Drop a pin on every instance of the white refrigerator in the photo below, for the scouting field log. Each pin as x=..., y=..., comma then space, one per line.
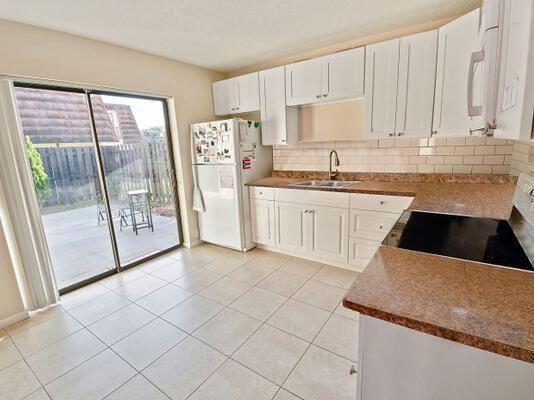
x=226, y=155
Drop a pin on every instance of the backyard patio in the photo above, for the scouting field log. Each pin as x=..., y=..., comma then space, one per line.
x=80, y=247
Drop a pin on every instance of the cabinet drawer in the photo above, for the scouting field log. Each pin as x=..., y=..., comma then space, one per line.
x=371, y=225
x=361, y=251
x=375, y=202
x=313, y=197
x=261, y=192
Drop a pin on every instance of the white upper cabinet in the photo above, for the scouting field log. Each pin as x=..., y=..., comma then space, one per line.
x=456, y=42
x=223, y=97
x=279, y=123
x=247, y=93
x=236, y=95
x=304, y=82
x=381, y=74
x=343, y=75
x=417, y=78
x=334, y=77
x=515, y=98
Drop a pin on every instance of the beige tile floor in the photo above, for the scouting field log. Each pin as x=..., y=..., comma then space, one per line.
x=203, y=323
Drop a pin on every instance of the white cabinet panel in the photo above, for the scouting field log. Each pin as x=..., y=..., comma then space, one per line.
x=317, y=197
x=343, y=75
x=236, y=95
x=456, y=42
x=417, y=77
x=262, y=218
x=291, y=227
x=223, y=97
x=515, y=99
x=382, y=203
x=279, y=123
x=371, y=225
x=247, y=93
x=303, y=82
x=328, y=233
x=338, y=76
x=381, y=74
x=361, y=251
x=261, y=192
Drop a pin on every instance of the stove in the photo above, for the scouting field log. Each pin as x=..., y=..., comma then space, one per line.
x=498, y=242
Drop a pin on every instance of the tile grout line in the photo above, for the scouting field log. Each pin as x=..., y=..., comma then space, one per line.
x=224, y=307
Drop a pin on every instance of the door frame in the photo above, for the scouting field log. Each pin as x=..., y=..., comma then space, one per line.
x=87, y=91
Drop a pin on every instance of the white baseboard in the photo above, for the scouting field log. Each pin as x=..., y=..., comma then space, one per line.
x=306, y=257
x=13, y=319
x=192, y=244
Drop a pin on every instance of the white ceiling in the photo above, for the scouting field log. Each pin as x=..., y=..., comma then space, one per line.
x=227, y=35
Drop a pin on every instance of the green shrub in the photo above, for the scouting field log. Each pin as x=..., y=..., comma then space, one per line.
x=39, y=175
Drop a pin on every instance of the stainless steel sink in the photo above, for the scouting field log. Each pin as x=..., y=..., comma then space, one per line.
x=325, y=184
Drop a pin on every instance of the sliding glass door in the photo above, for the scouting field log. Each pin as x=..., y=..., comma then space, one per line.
x=103, y=174
x=134, y=149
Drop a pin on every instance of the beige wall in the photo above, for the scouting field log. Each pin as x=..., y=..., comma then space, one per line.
x=341, y=46
x=37, y=52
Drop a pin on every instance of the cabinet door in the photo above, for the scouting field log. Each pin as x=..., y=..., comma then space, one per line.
x=291, y=227
x=417, y=78
x=343, y=74
x=361, y=251
x=278, y=122
x=262, y=216
x=329, y=233
x=247, y=93
x=456, y=42
x=223, y=97
x=303, y=82
x=382, y=67
x=515, y=98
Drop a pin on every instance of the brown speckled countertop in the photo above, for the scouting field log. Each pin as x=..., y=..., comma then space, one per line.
x=491, y=308
x=488, y=200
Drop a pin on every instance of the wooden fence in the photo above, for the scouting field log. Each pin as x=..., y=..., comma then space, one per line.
x=73, y=174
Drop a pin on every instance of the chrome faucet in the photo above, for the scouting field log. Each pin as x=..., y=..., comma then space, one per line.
x=332, y=174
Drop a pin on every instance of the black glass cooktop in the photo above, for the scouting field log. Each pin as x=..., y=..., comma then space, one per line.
x=478, y=239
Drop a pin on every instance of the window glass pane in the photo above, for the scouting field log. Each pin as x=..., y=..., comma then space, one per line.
x=137, y=169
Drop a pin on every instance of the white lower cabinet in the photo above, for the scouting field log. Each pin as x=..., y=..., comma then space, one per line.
x=371, y=225
x=361, y=251
x=332, y=227
x=292, y=227
x=262, y=220
x=328, y=233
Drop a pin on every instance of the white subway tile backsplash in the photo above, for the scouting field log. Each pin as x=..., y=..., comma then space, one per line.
x=483, y=150
x=477, y=155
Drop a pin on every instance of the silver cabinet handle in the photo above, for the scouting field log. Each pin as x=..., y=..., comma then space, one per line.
x=325, y=95
x=353, y=370
x=382, y=202
x=391, y=134
x=380, y=227
x=318, y=96
x=400, y=134
x=433, y=133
